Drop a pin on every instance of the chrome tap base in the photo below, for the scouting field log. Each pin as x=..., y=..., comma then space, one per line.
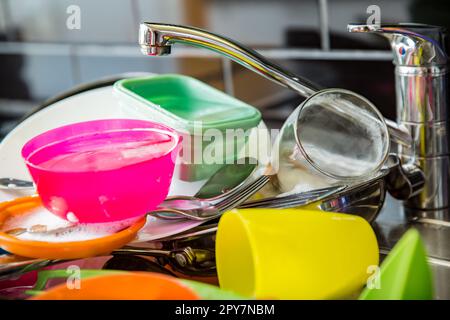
x=421, y=78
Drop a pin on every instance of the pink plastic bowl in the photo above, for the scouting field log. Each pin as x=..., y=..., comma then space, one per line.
x=103, y=170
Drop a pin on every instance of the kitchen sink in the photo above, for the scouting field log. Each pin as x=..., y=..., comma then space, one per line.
x=392, y=223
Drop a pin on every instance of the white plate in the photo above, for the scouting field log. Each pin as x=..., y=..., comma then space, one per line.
x=97, y=104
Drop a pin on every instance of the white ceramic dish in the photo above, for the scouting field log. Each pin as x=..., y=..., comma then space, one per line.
x=96, y=104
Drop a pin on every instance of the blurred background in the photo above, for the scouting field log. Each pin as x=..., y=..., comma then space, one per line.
x=41, y=57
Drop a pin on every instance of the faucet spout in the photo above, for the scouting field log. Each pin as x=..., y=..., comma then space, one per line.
x=156, y=39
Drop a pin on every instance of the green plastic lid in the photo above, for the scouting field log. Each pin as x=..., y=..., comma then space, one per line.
x=180, y=101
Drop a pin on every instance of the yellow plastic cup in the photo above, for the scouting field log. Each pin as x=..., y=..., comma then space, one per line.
x=294, y=253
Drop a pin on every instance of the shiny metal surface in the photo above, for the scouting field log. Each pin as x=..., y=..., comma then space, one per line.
x=181, y=207
x=156, y=39
x=191, y=253
x=294, y=200
x=188, y=259
x=15, y=184
x=399, y=134
x=421, y=94
x=422, y=106
x=365, y=200
x=431, y=138
x=422, y=43
x=393, y=222
x=435, y=193
x=403, y=180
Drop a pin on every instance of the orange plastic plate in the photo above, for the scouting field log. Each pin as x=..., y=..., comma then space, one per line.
x=61, y=250
x=123, y=286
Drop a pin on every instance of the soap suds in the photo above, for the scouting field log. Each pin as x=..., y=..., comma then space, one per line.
x=64, y=231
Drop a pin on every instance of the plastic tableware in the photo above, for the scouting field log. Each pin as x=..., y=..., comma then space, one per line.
x=226, y=178
x=103, y=170
x=123, y=286
x=294, y=253
x=44, y=276
x=192, y=107
x=404, y=274
x=59, y=250
x=203, y=290
x=95, y=104
x=23, y=282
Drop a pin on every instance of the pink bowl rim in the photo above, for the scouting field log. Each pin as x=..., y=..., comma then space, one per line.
x=158, y=128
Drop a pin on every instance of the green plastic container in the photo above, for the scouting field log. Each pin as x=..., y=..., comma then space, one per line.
x=184, y=103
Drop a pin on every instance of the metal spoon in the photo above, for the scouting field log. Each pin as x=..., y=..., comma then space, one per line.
x=15, y=184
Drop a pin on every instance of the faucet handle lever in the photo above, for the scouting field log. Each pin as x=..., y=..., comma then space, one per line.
x=403, y=180
x=412, y=44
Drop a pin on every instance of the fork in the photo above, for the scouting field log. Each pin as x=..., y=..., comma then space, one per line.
x=208, y=209
x=295, y=199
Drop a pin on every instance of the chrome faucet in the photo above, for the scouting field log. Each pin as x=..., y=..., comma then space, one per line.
x=421, y=78
x=156, y=39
